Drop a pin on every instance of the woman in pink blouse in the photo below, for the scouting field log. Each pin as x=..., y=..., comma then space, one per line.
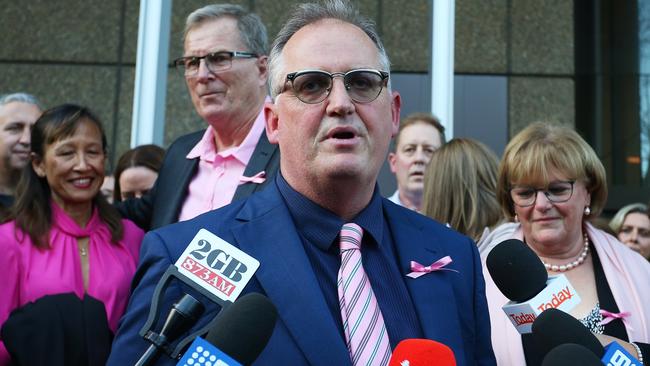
x=62, y=236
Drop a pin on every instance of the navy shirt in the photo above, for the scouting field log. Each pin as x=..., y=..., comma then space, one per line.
x=319, y=230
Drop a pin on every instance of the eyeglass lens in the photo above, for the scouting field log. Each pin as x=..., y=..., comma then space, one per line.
x=556, y=192
x=214, y=62
x=314, y=86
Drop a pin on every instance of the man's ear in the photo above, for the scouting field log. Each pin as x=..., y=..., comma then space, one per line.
x=263, y=67
x=392, y=162
x=395, y=108
x=272, y=122
x=38, y=165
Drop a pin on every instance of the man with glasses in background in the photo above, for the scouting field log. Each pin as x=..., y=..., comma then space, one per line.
x=225, y=68
x=335, y=258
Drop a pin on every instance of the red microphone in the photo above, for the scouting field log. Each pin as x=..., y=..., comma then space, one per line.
x=422, y=352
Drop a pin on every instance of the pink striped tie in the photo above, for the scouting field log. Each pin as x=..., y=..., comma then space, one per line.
x=363, y=324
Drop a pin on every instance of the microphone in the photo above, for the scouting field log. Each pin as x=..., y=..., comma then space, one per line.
x=181, y=318
x=520, y=275
x=615, y=354
x=245, y=328
x=209, y=266
x=571, y=354
x=555, y=327
x=239, y=335
x=422, y=352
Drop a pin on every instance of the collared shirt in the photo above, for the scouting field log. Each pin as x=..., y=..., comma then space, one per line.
x=319, y=230
x=219, y=173
x=395, y=198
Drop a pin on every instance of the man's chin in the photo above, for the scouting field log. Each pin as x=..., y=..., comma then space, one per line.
x=18, y=164
x=345, y=169
x=417, y=186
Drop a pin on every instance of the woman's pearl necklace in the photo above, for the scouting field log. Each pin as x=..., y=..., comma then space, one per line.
x=571, y=265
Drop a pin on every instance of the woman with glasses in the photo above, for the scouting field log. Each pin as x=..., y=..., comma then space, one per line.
x=551, y=183
x=632, y=227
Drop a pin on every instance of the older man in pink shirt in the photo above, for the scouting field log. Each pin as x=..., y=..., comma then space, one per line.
x=220, y=173
x=225, y=68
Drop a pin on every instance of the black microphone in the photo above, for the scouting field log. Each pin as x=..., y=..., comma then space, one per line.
x=516, y=270
x=240, y=333
x=209, y=266
x=183, y=315
x=554, y=327
x=244, y=328
x=521, y=276
x=571, y=354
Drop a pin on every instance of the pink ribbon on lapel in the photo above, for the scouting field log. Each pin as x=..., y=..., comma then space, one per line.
x=258, y=178
x=420, y=270
x=609, y=316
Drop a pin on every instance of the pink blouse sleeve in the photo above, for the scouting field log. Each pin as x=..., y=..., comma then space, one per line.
x=11, y=267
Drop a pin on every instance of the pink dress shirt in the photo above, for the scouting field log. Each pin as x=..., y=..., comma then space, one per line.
x=29, y=273
x=219, y=173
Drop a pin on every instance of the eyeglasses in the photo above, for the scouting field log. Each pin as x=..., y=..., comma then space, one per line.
x=314, y=86
x=215, y=61
x=556, y=192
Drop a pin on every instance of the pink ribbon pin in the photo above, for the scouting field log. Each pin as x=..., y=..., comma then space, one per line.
x=609, y=316
x=420, y=270
x=258, y=178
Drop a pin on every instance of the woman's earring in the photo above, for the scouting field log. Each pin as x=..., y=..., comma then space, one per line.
x=516, y=218
x=587, y=211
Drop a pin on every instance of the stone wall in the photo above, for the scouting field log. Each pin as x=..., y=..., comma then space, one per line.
x=84, y=51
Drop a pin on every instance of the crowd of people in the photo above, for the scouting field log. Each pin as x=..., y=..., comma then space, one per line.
x=286, y=171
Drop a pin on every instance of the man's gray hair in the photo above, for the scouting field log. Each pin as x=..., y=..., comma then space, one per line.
x=19, y=97
x=251, y=29
x=311, y=13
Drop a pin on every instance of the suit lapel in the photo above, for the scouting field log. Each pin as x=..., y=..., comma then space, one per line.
x=263, y=158
x=432, y=294
x=285, y=273
x=178, y=191
x=171, y=193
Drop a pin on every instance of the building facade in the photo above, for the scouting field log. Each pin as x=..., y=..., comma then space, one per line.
x=583, y=63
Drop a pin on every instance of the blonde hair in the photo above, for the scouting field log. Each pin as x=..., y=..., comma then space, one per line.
x=542, y=148
x=460, y=187
x=619, y=218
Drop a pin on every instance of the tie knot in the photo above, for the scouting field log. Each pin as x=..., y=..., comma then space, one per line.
x=351, y=236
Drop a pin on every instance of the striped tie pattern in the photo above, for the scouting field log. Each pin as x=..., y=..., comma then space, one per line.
x=363, y=324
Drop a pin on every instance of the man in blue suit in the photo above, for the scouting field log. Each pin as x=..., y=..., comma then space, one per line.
x=333, y=116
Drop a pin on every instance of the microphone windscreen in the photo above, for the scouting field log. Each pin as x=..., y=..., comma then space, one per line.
x=554, y=327
x=244, y=328
x=516, y=270
x=571, y=354
x=422, y=352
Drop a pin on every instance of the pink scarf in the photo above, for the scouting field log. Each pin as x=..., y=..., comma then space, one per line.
x=627, y=274
x=94, y=230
